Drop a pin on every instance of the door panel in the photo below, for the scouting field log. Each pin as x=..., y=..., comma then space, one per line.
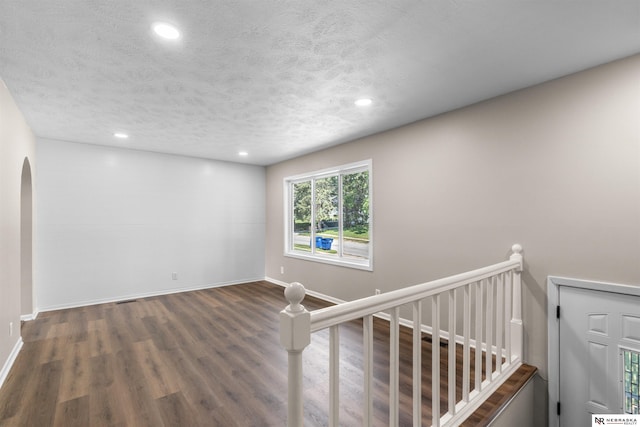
x=631, y=328
x=598, y=356
x=593, y=327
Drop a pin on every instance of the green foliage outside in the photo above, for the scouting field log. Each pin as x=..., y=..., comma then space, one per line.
x=302, y=202
x=355, y=206
x=326, y=200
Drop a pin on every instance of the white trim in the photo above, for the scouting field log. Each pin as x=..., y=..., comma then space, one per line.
x=354, y=166
x=342, y=262
x=308, y=292
x=147, y=294
x=29, y=317
x=4, y=373
x=616, y=288
x=553, y=350
x=553, y=328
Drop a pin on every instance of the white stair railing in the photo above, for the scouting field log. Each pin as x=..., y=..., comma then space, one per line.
x=497, y=331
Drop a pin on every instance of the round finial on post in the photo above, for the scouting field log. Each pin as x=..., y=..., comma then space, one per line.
x=294, y=293
x=517, y=256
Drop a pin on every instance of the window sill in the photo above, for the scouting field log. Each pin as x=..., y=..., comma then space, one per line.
x=359, y=265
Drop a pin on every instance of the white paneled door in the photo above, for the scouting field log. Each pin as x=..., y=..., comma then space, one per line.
x=596, y=328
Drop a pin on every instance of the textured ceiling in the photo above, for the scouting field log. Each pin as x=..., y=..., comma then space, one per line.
x=279, y=78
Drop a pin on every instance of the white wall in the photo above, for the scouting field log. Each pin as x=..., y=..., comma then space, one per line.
x=16, y=143
x=116, y=223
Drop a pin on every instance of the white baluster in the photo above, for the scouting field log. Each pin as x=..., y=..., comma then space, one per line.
x=452, y=353
x=435, y=360
x=507, y=315
x=417, y=363
x=478, y=336
x=499, y=321
x=367, y=338
x=394, y=367
x=334, y=376
x=489, y=330
x=466, y=350
x=295, y=335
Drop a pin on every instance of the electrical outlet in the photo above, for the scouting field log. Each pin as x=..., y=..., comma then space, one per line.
x=10, y=329
x=377, y=291
x=281, y=269
x=174, y=276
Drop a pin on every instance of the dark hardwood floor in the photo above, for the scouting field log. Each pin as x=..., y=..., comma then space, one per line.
x=202, y=358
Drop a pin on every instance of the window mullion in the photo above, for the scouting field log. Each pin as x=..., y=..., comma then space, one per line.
x=292, y=233
x=312, y=226
x=292, y=217
x=340, y=218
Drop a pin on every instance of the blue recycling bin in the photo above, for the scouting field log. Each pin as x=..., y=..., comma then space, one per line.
x=319, y=242
x=326, y=243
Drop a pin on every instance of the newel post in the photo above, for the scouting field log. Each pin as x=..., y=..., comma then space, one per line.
x=517, y=330
x=295, y=335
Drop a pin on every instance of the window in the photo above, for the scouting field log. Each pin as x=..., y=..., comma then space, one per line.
x=328, y=216
x=630, y=372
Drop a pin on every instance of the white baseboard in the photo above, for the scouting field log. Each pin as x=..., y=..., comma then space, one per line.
x=29, y=317
x=145, y=295
x=319, y=295
x=9, y=363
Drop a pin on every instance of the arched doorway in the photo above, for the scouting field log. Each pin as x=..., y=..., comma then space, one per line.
x=26, y=241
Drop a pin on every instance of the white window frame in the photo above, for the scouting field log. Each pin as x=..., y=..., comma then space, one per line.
x=289, y=233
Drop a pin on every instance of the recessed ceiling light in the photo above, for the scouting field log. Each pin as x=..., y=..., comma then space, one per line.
x=363, y=102
x=166, y=31
x=121, y=135
x=243, y=153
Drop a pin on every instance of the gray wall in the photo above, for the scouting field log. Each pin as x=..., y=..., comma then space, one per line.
x=16, y=143
x=116, y=223
x=555, y=168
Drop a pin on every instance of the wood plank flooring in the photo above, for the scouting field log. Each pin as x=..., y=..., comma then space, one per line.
x=202, y=358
